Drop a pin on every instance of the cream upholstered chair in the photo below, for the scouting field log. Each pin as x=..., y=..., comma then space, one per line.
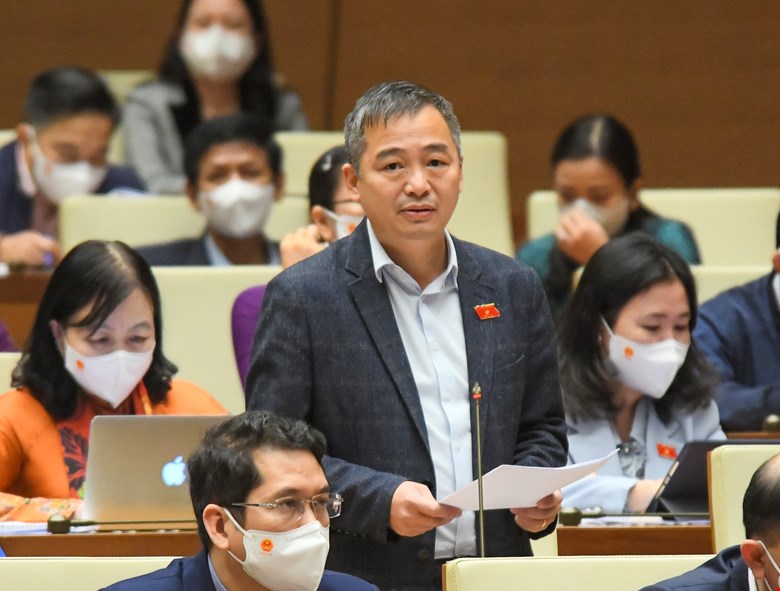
x=196, y=306
x=546, y=546
x=120, y=83
x=74, y=573
x=732, y=226
x=482, y=215
x=7, y=136
x=713, y=279
x=137, y=220
x=7, y=363
x=584, y=573
x=730, y=469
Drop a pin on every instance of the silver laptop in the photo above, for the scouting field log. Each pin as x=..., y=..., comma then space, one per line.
x=136, y=468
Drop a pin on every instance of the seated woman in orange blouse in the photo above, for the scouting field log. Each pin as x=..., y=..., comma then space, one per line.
x=95, y=348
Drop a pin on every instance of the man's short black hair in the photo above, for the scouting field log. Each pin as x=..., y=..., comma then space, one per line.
x=761, y=505
x=65, y=92
x=222, y=470
x=240, y=128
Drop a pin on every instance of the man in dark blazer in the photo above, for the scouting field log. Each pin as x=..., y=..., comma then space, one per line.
x=263, y=508
x=753, y=565
x=234, y=174
x=378, y=340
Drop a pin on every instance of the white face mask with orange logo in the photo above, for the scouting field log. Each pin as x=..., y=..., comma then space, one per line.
x=345, y=224
x=285, y=561
x=649, y=369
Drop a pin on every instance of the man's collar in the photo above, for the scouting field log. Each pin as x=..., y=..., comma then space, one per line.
x=381, y=259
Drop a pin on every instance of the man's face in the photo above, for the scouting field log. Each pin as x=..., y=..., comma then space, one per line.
x=285, y=474
x=240, y=160
x=78, y=138
x=410, y=178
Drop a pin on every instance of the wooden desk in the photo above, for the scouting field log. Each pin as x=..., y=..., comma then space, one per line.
x=636, y=539
x=20, y=294
x=147, y=543
x=572, y=541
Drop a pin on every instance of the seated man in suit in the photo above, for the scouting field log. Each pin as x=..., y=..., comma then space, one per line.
x=752, y=565
x=379, y=339
x=334, y=211
x=739, y=331
x=263, y=508
x=234, y=174
x=61, y=150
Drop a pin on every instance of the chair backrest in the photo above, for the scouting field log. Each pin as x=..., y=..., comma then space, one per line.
x=7, y=363
x=196, y=305
x=730, y=469
x=585, y=573
x=483, y=213
x=732, y=226
x=713, y=279
x=143, y=220
x=74, y=573
x=137, y=220
x=7, y=136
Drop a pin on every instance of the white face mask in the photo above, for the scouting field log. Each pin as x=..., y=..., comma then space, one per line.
x=217, y=54
x=613, y=219
x=345, y=224
x=649, y=369
x=238, y=208
x=110, y=377
x=57, y=181
x=285, y=561
x=777, y=569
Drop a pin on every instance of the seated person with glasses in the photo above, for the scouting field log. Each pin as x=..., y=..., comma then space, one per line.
x=263, y=508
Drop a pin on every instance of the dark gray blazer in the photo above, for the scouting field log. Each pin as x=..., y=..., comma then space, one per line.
x=328, y=350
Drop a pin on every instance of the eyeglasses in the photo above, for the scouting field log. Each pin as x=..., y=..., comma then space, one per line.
x=324, y=507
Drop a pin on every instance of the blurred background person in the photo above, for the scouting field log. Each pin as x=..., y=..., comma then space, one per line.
x=632, y=377
x=218, y=62
x=596, y=174
x=95, y=348
x=61, y=150
x=234, y=175
x=739, y=331
x=335, y=213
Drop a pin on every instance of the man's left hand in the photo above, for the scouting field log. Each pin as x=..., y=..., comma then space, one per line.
x=536, y=519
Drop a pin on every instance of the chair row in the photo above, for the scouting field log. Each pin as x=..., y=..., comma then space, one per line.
x=733, y=226
x=196, y=307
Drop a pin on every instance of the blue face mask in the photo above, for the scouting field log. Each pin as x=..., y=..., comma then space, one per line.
x=774, y=564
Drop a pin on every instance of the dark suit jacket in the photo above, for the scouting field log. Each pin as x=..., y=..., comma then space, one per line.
x=190, y=251
x=192, y=574
x=16, y=207
x=725, y=572
x=328, y=350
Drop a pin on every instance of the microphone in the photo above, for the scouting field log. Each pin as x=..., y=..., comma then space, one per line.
x=476, y=394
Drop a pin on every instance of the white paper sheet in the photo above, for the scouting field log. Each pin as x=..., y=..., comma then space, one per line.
x=520, y=486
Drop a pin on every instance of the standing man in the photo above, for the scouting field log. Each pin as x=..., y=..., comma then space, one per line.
x=378, y=340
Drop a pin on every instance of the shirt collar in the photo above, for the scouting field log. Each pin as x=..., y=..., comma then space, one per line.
x=26, y=182
x=214, y=578
x=382, y=260
x=217, y=258
x=776, y=288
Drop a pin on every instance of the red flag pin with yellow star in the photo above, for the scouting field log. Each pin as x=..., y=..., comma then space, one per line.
x=487, y=311
x=667, y=451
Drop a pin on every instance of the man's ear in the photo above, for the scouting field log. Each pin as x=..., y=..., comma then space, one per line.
x=324, y=224
x=351, y=180
x=24, y=133
x=192, y=193
x=754, y=556
x=214, y=521
x=279, y=184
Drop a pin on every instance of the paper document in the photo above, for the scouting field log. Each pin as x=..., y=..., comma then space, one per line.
x=520, y=486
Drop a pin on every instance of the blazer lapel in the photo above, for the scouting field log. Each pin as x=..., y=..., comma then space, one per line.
x=375, y=309
x=479, y=334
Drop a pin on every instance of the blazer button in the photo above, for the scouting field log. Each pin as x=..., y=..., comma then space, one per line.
x=424, y=554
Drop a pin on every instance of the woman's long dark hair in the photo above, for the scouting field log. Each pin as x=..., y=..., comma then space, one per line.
x=257, y=91
x=101, y=275
x=621, y=269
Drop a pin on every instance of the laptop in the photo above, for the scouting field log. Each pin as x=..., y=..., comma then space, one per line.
x=685, y=487
x=136, y=469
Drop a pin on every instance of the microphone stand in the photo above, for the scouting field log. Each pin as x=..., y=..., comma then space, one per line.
x=476, y=394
